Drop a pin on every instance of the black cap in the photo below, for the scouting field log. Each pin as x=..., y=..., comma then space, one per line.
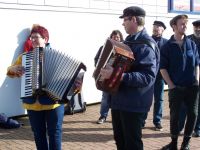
x=196, y=23
x=133, y=11
x=159, y=23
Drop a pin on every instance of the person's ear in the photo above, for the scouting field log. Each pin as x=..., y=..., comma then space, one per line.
x=133, y=18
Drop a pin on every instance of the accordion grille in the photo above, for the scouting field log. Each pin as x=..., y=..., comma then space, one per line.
x=51, y=72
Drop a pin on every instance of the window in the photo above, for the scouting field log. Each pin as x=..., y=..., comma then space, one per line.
x=196, y=4
x=186, y=6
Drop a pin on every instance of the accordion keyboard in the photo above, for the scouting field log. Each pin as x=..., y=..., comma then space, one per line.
x=26, y=84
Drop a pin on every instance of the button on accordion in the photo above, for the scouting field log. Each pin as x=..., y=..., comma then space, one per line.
x=117, y=55
x=51, y=73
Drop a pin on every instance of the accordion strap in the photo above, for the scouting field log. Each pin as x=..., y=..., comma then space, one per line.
x=149, y=43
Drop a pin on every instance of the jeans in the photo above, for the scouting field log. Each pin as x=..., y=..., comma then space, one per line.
x=127, y=129
x=182, y=118
x=47, y=121
x=177, y=96
x=105, y=104
x=158, y=102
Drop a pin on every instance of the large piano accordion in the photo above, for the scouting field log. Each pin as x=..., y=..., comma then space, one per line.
x=117, y=55
x=50, y=72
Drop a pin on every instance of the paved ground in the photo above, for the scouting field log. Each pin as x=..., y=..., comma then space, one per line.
x=80, y=132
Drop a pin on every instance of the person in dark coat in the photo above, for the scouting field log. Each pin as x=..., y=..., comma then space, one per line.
x=196, y=38
x=180, y=69
x=158, y=29
x=135, y=94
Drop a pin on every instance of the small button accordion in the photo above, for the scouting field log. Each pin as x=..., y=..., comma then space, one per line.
x=117, y=55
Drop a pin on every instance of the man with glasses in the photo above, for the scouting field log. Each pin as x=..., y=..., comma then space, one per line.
x=135, y=94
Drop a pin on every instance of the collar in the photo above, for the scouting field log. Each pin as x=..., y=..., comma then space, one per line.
x=136, y=35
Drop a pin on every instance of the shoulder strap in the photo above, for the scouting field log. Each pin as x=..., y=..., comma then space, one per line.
x=149, y=43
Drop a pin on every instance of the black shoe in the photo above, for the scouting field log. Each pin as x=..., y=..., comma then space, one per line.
x=101, y=120
x=185, y=147
x=170, y=146
x=158, y=127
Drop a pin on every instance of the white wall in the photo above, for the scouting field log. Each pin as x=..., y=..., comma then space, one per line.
x=78, y=34
x=78, y=27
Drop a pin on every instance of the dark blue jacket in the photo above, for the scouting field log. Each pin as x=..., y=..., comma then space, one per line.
x=180, y=62
x=160, y=42
x=197, y=41
x=135, y=93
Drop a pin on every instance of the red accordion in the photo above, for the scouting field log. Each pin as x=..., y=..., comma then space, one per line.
x=117, y=55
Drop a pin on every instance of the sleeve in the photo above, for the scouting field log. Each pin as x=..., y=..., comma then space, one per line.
x=145, y=70
x=164, y=57
x=197, y=60
x=17, y=62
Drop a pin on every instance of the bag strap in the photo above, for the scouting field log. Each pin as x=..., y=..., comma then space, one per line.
x=149, y=43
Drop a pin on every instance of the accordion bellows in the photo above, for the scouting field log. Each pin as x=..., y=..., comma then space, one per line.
x=50, y=72
x=117, y=55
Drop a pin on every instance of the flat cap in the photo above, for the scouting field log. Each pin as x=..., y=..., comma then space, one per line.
x=133, y=11
x=196, y=23
x=174, y=20
x=159, y=23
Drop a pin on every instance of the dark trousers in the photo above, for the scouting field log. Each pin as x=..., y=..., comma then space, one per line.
x=47, y=121
x=188, y=96
x=127, y=129
x=183, y=118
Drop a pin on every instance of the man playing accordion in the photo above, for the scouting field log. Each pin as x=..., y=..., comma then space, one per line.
x=135, y=93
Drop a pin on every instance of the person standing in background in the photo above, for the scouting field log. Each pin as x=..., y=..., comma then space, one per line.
x=158, y=29
x=196, y=38
x=180, y=69
x=105, y=101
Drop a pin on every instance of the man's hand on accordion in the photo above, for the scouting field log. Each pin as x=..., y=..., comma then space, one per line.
x=106, y=72
x=16, y=71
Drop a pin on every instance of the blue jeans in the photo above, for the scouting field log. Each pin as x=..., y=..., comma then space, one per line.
x=47, y=121
x=158, y=102
x=105, y=104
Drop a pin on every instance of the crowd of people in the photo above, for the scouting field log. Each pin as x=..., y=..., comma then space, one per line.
x=157, y=61
x=178, y=56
